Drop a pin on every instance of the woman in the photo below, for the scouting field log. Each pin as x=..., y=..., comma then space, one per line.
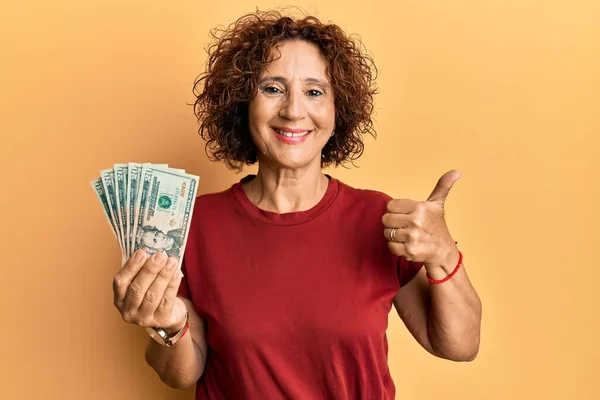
x=290, y=274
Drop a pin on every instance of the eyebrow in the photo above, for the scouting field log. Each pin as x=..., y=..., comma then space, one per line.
x=284, y=81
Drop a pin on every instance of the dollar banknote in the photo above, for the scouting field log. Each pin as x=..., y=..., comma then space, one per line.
x=133, y=180
x=108, y=181
x=121, y=171
x=98, y=187
x=148, y=206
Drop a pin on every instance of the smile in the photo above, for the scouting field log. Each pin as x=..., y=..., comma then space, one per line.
x=291, y=136
x=294, y=134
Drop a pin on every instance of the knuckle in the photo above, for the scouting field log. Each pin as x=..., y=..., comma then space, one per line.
x=414, y=235
x=128, y=316
x=421, y=206
x=152, y=296
x=416, y=222
x=118, y=281
x=135, y=290
x=145, y=321
x=164, y=302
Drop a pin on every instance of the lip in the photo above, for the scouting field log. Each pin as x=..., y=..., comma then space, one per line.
x=283, y=128
x=291, y=140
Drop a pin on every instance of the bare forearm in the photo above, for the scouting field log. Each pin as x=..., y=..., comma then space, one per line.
x=454, y=320
x=179, y=366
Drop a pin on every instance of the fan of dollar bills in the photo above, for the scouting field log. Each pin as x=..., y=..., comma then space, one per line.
x=148, y=206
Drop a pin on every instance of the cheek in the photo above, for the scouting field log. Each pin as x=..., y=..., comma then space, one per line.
x=258, y=116
x=324, y=116
x=261, y=110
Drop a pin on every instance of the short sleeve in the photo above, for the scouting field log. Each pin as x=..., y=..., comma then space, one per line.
x=184, y=288
x=407, y=270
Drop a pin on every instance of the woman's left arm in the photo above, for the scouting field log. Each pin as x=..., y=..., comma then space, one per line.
x=445, y=318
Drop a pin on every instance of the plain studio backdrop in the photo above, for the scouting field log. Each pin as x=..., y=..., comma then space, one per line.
x=506, y=91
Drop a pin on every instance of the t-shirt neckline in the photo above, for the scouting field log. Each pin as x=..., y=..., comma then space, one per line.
x=291, y=218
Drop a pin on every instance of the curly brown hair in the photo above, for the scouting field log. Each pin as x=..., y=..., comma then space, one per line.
x=237, y=57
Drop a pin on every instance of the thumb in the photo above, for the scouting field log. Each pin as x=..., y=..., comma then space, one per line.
x=443, y=186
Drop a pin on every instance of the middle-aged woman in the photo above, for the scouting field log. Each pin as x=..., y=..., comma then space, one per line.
x=290, y=274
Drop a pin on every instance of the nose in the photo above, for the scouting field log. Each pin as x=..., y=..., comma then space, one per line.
x=292, y=107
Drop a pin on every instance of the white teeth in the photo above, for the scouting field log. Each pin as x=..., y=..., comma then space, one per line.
x=290, y=134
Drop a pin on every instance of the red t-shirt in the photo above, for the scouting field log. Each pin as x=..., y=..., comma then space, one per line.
x=296, y=304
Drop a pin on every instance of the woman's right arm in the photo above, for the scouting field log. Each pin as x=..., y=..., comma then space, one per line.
x=181, y=365
x=145, y=293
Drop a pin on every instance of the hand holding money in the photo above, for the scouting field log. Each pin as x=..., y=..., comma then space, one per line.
x=145, y=291
x=148, y=206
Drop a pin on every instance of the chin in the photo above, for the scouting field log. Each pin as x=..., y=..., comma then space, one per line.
x=296, y=162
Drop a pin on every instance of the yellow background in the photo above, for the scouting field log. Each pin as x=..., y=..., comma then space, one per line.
x=506, y=91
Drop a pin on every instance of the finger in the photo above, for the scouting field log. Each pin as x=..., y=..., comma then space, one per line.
x=400, y=235
x=398, y=249
x=443, y=186
x=169, y=296
x=157, y=288
x=142, y=281
x=123, y=278
x=401, y=250
x=401, y=206
x=391, y=220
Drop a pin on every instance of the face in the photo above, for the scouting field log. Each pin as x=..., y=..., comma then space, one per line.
x=157, y=240
x=293, y=115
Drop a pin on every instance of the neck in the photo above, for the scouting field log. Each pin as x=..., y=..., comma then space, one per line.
x=283, y=190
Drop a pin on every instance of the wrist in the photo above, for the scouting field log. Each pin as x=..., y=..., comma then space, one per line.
x=446, y=266
x=172, y=335
x=176, y=327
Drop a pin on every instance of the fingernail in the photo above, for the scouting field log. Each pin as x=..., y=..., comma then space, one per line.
x=171, y=263
x=139, y=256
x=180, y=274
x=160, y=256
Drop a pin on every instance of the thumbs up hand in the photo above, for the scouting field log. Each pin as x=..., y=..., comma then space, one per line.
x=417, y=231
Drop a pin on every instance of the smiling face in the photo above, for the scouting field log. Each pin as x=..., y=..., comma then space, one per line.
x=293, y=115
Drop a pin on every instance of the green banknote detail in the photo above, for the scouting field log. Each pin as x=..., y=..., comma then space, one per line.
x=135, y=172
x=166, y=202
x=108, y=180
x=101, y=195
x=121, y=178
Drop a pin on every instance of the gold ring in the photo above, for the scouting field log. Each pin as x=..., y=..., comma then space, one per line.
x=393, y=235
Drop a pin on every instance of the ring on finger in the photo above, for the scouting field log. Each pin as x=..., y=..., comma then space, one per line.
x=393, y=235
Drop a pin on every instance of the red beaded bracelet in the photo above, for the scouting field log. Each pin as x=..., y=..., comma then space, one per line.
x=187, y=328
x=438, y=281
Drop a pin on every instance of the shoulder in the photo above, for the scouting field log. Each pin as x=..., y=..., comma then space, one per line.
x=214, y=198
x=212, y=201
x=363, y=196
x=362, y=205
x=213, y=206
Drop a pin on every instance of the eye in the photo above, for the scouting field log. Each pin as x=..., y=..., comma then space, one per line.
x=314, y=93
x=271, y=90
